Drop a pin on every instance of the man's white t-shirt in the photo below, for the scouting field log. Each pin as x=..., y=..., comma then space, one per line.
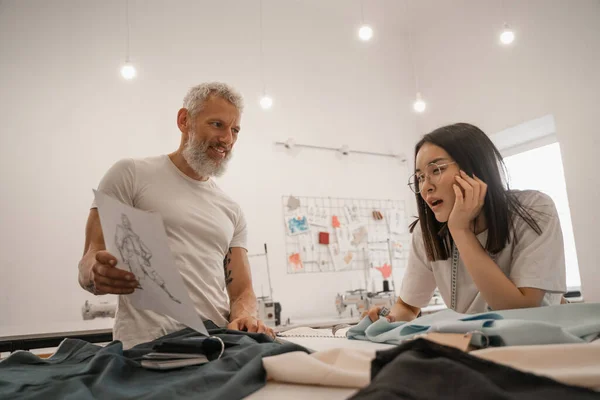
x=536, y=261
x=201, y=223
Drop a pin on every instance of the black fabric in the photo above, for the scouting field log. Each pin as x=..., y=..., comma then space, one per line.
x=81, y=370
x=189, y=341
x=421, y=369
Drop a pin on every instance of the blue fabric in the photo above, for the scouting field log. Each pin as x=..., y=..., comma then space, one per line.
x=565, y=323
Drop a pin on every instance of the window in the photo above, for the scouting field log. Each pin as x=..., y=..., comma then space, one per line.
x=542, y=169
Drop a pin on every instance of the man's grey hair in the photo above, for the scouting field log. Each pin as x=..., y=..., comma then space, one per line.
x=195, y=98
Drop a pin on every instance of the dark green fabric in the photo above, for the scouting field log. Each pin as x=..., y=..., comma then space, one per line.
x=80, y=370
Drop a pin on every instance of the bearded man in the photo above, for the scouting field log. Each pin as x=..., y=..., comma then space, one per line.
x=206, y=229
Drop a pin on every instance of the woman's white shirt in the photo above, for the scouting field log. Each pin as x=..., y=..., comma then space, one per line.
x=536, y=261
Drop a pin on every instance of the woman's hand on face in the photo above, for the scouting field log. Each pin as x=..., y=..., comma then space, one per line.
x=470, y=197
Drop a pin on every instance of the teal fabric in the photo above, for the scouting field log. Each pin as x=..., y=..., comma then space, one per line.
x=80, y=370
x=566, y=323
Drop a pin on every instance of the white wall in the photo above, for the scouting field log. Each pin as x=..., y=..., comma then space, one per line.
x=66, y=116
x=552, y=68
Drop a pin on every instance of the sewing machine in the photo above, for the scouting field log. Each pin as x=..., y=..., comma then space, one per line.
x=269, y=311
x=102, y=310
x=361, y=300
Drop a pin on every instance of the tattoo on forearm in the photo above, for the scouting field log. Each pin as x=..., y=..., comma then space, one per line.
x=226, y=270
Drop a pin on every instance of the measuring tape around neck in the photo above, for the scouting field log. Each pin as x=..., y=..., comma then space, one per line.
x=455, y=256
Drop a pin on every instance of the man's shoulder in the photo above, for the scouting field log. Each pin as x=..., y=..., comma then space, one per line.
x=138, y=164
x=148, y=163
x=223, y=196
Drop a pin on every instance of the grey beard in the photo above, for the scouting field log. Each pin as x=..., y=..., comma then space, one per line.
x=195, y=155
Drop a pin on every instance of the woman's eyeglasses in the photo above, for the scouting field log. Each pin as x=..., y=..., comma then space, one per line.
x=433, y=172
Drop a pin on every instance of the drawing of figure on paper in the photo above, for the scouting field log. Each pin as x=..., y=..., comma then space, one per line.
x=136, y=255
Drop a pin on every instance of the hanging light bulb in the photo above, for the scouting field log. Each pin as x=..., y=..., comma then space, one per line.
x=266, y=102
x=419, y=105
x=507, y=36
x=365, y=33
x=128, y=71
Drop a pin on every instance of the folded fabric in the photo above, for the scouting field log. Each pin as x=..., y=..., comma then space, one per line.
x=421, y=369
x=566, y=323
x=572, y=364
x=189, y=341
x=336, y=367
x=306, y=331
x=211, y=347
x=80, y=370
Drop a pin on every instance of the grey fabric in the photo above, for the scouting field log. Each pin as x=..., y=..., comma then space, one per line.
x=80, y=370
x=566, y=323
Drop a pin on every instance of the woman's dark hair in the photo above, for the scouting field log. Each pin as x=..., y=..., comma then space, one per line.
x=474, y=153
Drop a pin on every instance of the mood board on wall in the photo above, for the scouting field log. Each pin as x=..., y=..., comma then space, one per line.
x=325, y=234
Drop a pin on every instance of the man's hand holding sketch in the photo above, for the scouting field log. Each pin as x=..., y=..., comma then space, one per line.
x=107, y=279
x=97, y=269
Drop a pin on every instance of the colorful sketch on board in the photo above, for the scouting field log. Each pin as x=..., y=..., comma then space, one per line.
x=335, y=221
x=342, y=234
x=386, y=270
x=296, y=261
x=297, y=225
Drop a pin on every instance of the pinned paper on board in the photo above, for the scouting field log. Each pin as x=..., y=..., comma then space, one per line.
x=335, y=222
x=336, y=257
x=323, y=237
x=307, y=248
x=297, y=225
x=352, y=215
x=359, y=236
x=296, y=261
x=397, y=249
x=348, y=258
x=293, y=203
x=139, y=241
x=318, y=217
x=337, y=234
x=343, y=238
x=397, y=222
x=386, y=270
